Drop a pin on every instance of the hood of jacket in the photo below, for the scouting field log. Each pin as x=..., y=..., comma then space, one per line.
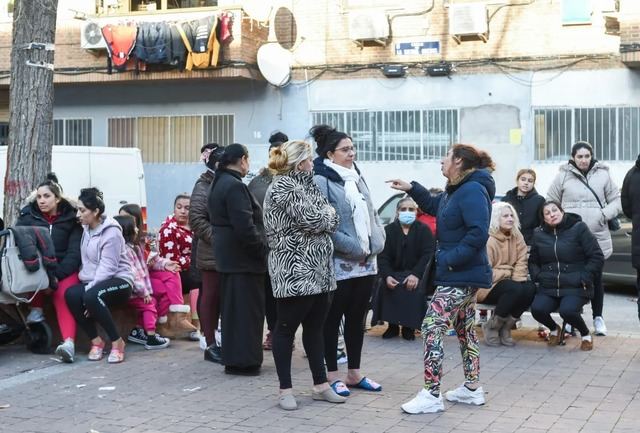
x=107, y=222
x=595, y=166
x=66, y=211
x=321, y=169
x=512, y=194
x=482, y=176
x=568, y=221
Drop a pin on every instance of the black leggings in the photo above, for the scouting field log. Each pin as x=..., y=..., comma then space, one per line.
x=188, y=283
x=310, y=311
x=270, y=307
x=568, y=306
x=597, y=302
x=511, y=298
x=350, y=300
x=96, y=301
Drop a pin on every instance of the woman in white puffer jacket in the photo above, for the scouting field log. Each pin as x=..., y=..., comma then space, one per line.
x=570, y=189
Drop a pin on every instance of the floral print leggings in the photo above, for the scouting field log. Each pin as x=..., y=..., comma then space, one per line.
x=450, y=305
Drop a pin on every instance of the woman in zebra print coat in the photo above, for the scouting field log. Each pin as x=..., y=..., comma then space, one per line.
x=298, y=222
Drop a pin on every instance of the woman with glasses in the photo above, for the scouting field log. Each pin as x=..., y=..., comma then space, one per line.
x=357, y=242
x=407, y=251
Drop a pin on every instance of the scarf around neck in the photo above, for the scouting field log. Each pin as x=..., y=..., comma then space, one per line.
x=356, y=201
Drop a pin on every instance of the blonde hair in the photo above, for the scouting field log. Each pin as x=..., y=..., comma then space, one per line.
x=496, y=213
x=286, y=157
x=526, y=171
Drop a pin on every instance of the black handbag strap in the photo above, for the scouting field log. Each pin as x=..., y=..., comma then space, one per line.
x=590, y=189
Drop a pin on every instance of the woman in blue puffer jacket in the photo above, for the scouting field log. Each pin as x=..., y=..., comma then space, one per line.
x=463, y=213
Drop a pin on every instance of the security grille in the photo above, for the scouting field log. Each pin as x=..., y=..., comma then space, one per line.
x=407, y=135
x=72, y=132
x=170, y=139
x=614, y=132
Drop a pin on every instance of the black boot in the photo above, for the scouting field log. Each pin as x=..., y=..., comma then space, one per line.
x=408, y=333
x=392, y=331
x=213, y=353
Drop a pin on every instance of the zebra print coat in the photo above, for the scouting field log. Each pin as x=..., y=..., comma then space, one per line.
x=298, y=222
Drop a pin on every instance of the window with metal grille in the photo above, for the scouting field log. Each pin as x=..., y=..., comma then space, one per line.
x=72, y=132
x=407, y=135
x=169, y=139
x=614, y=132
x=4, y=133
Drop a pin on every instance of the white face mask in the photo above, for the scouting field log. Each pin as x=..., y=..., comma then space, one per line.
x=406, y=217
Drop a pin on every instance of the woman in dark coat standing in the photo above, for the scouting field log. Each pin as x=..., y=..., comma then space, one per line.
x=240, y=251
x=408, y=247
x=631, y=208
x=209, y=296
x=462, y=213
x=563, y=262
x=527, y=202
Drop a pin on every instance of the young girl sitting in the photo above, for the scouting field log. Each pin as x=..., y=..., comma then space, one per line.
x=141, y=298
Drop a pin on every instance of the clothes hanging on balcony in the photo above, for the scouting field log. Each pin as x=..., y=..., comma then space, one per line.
x=201, y=42
x=121, y=40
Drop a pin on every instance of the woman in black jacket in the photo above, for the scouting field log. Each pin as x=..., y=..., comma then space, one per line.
x=563, y=262
x=527, y=202
x=51, y=210
x=240, y=252
x=408, y=247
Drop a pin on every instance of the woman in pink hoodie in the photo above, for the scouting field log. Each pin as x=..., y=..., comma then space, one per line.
x=106, y=276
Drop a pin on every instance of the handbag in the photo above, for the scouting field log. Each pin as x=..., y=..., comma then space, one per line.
x=613, y=223
x=16, y=279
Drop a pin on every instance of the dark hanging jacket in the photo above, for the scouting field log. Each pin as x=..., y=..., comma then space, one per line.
x=528, y=209
x=34, y=243
x=65, y=231
x=564, y=259
x=240, y=244
x=463, y=213
x=631, y=208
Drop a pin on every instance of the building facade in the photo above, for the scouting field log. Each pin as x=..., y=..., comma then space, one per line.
x=522, y=79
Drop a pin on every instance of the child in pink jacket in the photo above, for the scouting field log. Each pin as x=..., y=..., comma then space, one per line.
x=142, y=298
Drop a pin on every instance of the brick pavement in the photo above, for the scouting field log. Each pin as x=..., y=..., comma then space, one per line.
x=530, y=388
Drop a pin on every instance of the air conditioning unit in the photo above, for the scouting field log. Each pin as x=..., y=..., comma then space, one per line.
x=370, y=26
x=91, y=36
x=468, y=20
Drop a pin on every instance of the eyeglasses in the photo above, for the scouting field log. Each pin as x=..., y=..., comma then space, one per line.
x=346, y=149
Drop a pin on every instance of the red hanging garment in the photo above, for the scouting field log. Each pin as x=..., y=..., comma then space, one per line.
x=121, y=39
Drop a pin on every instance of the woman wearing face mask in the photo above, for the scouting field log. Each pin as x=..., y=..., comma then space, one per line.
x=510, y=291
x=564, y=260
x=576, y=187
x=526, y=202
x=357, y=242
x=463, y=212
x=50, y=209
x=240, y=252
x=407, y=250
x=299, y=222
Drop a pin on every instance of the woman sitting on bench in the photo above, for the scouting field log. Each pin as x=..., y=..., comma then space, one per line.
x=564, y=259
x=510, y=291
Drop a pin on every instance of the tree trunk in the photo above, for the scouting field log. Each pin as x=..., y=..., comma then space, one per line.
x=30, y=103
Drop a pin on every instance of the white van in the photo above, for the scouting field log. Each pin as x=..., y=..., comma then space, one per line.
x=117, y=172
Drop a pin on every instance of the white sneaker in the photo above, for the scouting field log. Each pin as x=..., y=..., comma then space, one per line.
x=462, y=394
x=35, y=315
x=195, y=335
x=203, y=343
x=600, y=327
x=66, y=351
x=424, y=402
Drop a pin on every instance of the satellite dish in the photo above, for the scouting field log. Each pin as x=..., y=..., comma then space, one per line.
x=259, y=10
x=274, y=63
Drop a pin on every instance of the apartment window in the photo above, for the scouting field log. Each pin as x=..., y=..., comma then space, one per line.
x=170, y=139
x=406, y=135
x=72, y=132
x=4, y=133
x=614, y=132
x=576, y=12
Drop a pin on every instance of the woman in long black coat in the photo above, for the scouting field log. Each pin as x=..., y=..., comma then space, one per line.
x=631, y=207
x=240, y=251
x=407, y=250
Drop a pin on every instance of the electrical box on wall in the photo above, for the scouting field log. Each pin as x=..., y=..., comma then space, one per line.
x=468, y=20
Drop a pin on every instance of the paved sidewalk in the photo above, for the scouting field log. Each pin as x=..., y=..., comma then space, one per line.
x=530, y=388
